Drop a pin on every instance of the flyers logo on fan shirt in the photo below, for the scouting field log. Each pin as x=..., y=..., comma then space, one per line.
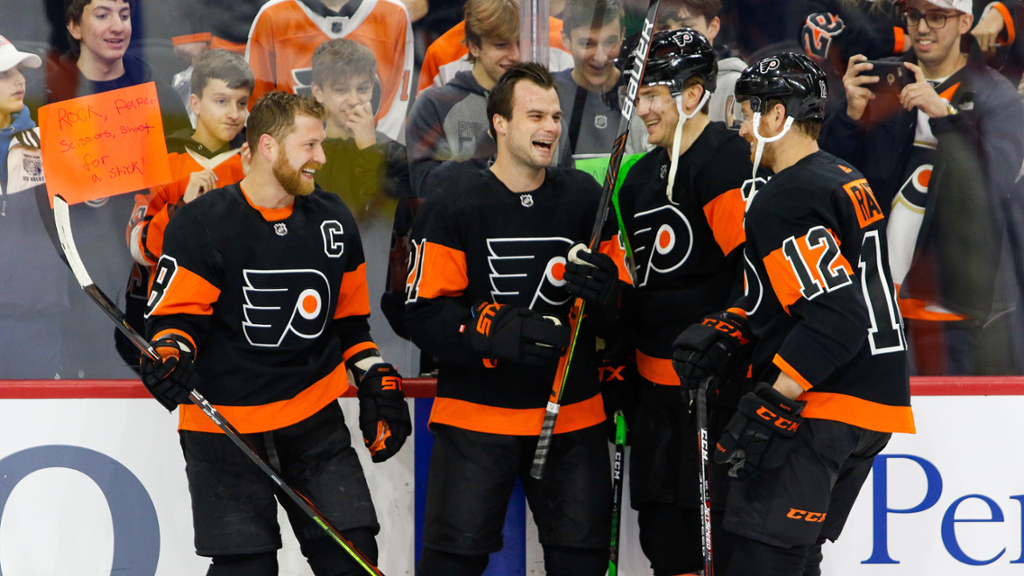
x=664, y=240
x=531, y=267
x=283, y=302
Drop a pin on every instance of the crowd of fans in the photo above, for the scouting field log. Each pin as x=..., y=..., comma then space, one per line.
x=405, y=84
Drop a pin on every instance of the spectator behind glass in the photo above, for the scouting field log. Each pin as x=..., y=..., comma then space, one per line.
x=286, y=33
x=946, y=165
x=368, y=170
x=450, y=122
x=33, y=280
x=210, y=24
x=588, y=92
x=449, y=54
x=100, y=32
x=702, y=16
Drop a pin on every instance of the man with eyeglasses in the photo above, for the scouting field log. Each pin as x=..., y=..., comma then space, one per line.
x=945, y=163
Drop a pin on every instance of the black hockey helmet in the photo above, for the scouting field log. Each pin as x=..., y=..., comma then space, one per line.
x=793, y=78
x=676, y=56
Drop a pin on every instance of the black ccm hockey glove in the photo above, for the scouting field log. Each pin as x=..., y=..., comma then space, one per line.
x=760, y=435
x=383, y=414
x=515, y=333
x=594, y=278
x=173, y=378
x=719, y=346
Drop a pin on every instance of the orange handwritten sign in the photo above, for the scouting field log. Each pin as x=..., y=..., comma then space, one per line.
x=105, y=144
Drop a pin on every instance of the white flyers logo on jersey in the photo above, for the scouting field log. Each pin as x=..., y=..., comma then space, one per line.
x=531, y=268
x=664, y=240
x=282, y=302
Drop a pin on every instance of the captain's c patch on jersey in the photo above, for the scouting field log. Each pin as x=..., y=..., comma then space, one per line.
x=282, y=302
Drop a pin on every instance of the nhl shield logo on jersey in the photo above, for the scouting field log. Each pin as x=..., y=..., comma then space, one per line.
x=280, y=228
x=282, y=302
x=600, y=121
x=664, y=239
x=528, y=270
x=526, y=200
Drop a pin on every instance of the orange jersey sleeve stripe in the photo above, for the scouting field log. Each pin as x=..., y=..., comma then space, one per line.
x=725, y=216
x=784, y=278
x=188, y=293
x=792, y=372
x=614, y=250
x=357, y=349
x=1011, y=33
x=917, y=309
x=252, y=419
x=657, y=370
x=515, y=421
x=443, y=271
x=864, y=203
x=858, y=412
x=354, y=295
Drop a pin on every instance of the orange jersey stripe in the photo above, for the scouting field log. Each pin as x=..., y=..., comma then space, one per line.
x=357, y=349
x=515, y=421
x=657, y=370
x=792, y=372
x=784, y=278
x=183, y=334
x=916, y=309
x=251, y=419
x=270, y=214
x=443, y=272
x=353, y=296
x=725, y=216
x=187, y=293
x=614, y=249
x=866, y=207
x=858, y=412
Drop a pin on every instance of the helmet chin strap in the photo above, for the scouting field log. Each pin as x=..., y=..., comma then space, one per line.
x=677, y=140
x=759, y=150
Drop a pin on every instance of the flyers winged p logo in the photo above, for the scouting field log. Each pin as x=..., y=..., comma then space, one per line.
x=766, y=66
x=526, y=271
x=664, y=240
x=283, y=302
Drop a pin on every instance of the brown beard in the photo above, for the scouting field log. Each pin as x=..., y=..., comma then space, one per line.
x=291, y=179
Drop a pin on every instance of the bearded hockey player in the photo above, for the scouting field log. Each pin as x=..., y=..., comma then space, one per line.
x=682, y=209
x=260, y=301
x=489, y=292
x=829, y=352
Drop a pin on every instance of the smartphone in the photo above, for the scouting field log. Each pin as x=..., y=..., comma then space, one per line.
x=893, y=76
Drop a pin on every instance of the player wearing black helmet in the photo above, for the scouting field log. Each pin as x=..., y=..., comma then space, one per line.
x=682, y=212
x=829, y=353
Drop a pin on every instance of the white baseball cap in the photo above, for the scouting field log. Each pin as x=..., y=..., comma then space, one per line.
x=959, y=5
x=10, y=57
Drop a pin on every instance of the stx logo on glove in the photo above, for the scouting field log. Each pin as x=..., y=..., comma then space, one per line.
x=391, y=383
x=726, y=327
x=777, y=421
x=609, y=373
x=805, y=515
x=487, y=313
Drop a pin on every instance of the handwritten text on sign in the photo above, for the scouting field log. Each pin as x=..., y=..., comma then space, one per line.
x=105, y=144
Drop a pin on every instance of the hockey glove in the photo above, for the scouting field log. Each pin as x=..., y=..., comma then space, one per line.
x=593, y=277
x=619, y=389
x=760, y=435
x=172, y=378
x=383, y=414
x=719, y=346
x=515, y=333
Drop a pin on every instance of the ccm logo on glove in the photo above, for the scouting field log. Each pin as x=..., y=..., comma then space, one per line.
x=727, y=327
x=777, y=421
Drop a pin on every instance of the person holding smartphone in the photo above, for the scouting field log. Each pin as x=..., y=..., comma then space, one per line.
x=945, y=163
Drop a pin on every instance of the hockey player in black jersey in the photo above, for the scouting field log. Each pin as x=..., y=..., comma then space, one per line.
x=828, y=351
x=489, y=291
x=260, y=301
x=682, y=208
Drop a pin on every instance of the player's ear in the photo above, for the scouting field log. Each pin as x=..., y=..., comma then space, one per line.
x=268, y=147
x=692, y=96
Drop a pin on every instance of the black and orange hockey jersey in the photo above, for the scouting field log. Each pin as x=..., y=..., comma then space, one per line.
x=475, y=240
x=274, y=301
x=688, y=251
x=286, y=32
x=154, y=210
x=820, y=297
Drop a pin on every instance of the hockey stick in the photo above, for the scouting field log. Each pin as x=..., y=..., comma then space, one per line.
x=617, y=478
x=547, y=430
x=705, y=494
x=62, y=218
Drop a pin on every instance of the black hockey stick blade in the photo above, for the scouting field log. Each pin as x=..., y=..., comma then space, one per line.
x=636, y=75
x=62, y=219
